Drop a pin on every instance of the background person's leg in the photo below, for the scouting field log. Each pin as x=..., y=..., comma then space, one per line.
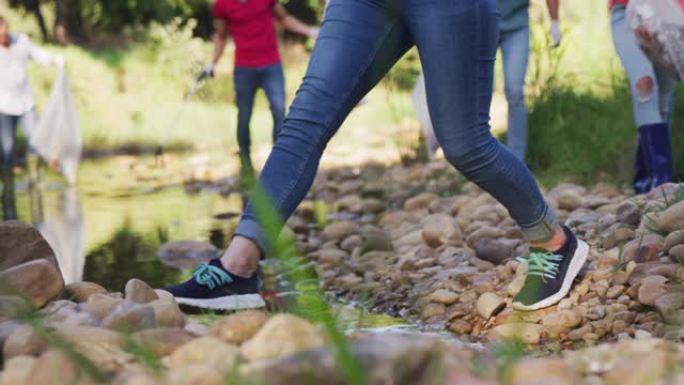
x=359, y=42
x=653, y=159
x=273, y=84
x=246, y=81
x=457, y=43
x=28, y=122
x=8, y=126
x=515, y=50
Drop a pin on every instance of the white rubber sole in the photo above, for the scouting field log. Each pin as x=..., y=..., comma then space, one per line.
x=578, y=260
x=232, y=302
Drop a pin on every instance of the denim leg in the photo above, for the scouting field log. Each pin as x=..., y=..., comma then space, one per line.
x=8, y=128
x=647, y=108
x=273, y=83
x=28, y=122
x=246, y=82
x=666, y=94
x=457, y=43
x=358, y=43
x=515, y=50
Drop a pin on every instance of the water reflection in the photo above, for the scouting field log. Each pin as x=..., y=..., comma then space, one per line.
x=62, y=226
x=129, y=254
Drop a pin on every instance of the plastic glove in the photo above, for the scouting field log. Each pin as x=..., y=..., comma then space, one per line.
x=207, y=71
x=59, y=62
x=555, y=34
x=313, y=32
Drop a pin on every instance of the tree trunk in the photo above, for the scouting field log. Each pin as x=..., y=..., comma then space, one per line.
x=34, y=6
x=68, y=22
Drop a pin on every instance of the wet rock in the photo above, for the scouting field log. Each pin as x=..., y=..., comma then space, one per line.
x=638, y=369
x=561, y=322
x=163, y=341
x=628, y=212
x=677, y=253
x=204, y=351
x=101, y=305
x=39, y=281
x=496, y=251
x=283, y=335
x=194, y=375
x=673, y=239
x=17, y=370
x=445, y=297
x=187, y=254
x=139, y=292
x=460, y=327
x=541, y=371
x=489, y=304
x=672, y=218
x=129, y=317
x=375, y=240
x=419, y=202
x=432, y=310
x=644, y=248
x=331, y=257
x=528, y=333
x=24, y=341
x=669, y=302
x=569, y=200
x=81, y=291
x=54, y=367
x=237, y=328
x=338, y=231
x=21, y=243
x=651, y=288
x=439, y=229
x=167, y=313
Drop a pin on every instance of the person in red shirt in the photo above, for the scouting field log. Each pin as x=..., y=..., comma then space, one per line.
x=257, y=61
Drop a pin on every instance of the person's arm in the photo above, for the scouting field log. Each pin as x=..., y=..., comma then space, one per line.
x=220, y=39
x=42, y=56
x=291, y=23
x=552, y=5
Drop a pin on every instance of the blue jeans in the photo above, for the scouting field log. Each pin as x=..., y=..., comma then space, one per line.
x=247, y=81
x=659, y=105
x=359, y=41
x=515, y=50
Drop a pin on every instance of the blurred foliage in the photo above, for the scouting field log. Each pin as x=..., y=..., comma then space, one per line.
x=84, y=19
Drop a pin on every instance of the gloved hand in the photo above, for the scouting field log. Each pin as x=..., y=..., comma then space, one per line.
x=555, y=34
x=207, y=71
x=313, y=32
x=59, y=61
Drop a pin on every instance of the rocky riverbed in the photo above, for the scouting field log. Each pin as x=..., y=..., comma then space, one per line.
x=417, y=242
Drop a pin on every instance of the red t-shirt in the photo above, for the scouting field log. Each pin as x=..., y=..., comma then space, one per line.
x=251, y=24
x=618, y=2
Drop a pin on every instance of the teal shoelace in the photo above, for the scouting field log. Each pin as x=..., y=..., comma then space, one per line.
x=544, y=265
x=211, y=276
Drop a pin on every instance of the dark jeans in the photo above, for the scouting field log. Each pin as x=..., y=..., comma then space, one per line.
x=247, y=81
x=360, y=40
x=8, y=130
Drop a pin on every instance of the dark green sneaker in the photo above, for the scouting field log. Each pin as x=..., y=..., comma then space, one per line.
x=550, y=275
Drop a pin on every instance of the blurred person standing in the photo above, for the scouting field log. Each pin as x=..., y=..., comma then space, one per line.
x=257, y=62
x=17, y=102
x=653, y=100
x=514, y=42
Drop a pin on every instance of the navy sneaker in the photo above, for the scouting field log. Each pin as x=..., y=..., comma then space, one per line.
x=213, y=287
x=550, y=275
